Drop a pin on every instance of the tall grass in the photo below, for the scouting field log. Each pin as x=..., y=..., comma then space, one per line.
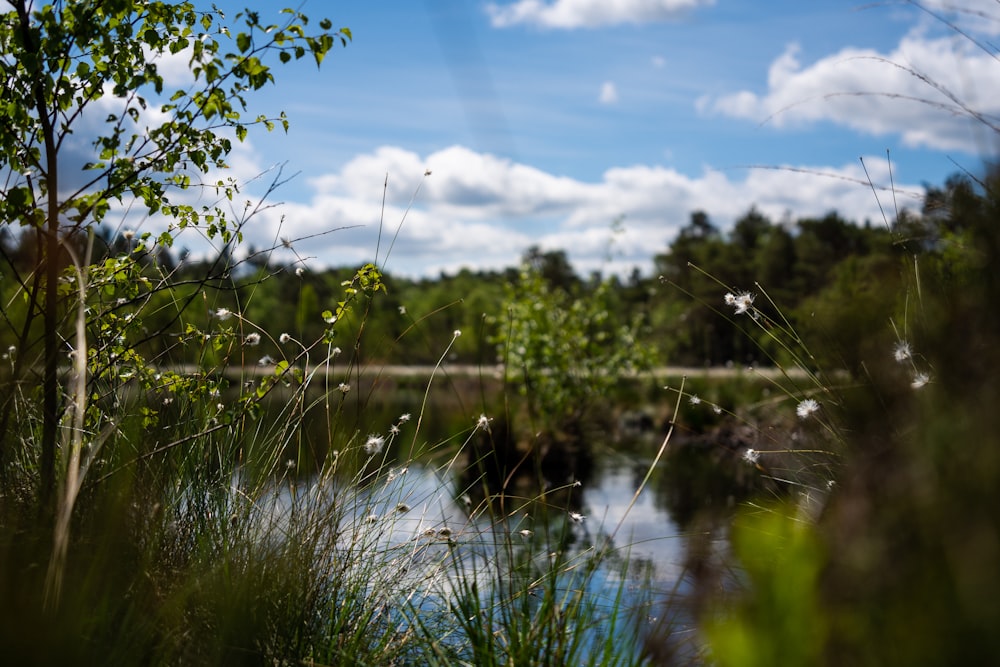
x=201, y=520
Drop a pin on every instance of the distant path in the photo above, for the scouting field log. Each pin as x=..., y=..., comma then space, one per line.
x=663, y=371
x=493, y=372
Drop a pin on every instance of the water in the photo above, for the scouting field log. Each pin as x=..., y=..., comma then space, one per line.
x=423, y=508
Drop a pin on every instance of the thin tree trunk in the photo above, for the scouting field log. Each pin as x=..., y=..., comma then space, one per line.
x=47, y=261
x=50, y=379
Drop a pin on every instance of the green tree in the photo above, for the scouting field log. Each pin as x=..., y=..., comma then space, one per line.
x=553, y=266
x=565, y=352
x=774, y=263
x=70, y=65
x=700, y=266
x=821, y=244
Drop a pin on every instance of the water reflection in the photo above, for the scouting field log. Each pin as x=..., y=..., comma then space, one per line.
x=644, y=529
x=451, y=505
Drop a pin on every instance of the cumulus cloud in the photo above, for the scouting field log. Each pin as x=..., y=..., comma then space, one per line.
x=571, y=14
x=935, y=92
x=175, y=68
x=478, y=210
x=609, y=93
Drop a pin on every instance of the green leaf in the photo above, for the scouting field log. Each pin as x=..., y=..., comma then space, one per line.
x=20, y=198
x=243, y=42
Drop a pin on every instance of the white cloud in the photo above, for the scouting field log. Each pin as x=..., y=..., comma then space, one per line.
x=394, y=169
x=175, y=68
x=480, y=211
x=570, y=14
x=926, y=90
x=609, y=93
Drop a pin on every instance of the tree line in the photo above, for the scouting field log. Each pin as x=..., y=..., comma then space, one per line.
x=827, y=277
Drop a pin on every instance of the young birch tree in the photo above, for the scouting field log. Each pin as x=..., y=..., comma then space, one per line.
x=90, y=73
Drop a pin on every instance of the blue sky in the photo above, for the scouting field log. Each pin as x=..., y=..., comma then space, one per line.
x=543, y=121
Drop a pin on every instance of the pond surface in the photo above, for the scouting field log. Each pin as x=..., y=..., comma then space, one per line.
x=427, y=502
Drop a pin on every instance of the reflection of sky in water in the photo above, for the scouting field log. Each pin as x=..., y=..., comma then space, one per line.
x=410, y=507
x=432, y=503
x=412, y=502
x=643, y=532
x=414, y=519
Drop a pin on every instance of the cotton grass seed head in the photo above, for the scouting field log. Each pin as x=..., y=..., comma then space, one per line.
x=374, y=444
x=252, y=339
x=806, y=408
x=901, y=351
x=742, y=303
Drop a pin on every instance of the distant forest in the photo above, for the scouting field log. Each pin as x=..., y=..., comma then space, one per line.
x=827, y=278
